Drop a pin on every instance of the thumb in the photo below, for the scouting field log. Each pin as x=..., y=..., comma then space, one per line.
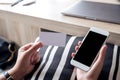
x=97, y=66
x=34, y=47
x=25, y=47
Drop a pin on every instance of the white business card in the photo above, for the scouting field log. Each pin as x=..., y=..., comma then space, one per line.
x=53, y=38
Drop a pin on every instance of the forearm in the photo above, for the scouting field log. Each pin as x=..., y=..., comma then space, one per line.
x=14, y=74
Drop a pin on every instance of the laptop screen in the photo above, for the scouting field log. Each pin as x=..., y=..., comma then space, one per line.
x=95, y=11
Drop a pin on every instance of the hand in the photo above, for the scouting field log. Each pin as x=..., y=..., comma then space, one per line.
x=28, y=56
x=95, y=70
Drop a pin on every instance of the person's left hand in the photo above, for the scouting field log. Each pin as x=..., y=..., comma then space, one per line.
x=28, y=56
x=96, y=68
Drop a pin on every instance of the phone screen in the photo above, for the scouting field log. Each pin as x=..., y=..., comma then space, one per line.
x=89, y=48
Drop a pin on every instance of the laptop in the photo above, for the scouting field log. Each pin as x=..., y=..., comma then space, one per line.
x=95, y=11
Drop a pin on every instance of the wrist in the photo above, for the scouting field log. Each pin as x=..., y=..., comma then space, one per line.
x=16, y=75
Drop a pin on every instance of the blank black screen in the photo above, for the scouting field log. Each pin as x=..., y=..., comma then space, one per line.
x=89, y=48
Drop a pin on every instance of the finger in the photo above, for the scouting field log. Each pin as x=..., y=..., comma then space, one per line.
x=77, y=48
x=103, y=53
x=73, y=54
x=35, y=47
x=35, y=58
x=97, y=66
x=26, y=47
x=79, y=43
x=100, y=60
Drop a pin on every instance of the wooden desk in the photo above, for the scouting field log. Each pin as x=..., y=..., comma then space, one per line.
x=22, y=23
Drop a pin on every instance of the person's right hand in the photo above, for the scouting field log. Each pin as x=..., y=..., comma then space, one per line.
x=28, y=56
x=96, y=68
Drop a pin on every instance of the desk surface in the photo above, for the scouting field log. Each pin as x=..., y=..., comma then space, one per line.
x=48, y=12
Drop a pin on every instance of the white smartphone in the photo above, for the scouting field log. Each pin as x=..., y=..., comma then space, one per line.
x=89, y=48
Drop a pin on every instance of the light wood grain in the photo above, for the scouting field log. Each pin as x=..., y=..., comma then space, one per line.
x=22, y=24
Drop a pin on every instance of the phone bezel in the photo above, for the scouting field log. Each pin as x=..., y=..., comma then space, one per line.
x=81, y=65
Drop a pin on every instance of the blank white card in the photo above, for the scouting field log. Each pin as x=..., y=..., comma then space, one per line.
x=52, y=38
